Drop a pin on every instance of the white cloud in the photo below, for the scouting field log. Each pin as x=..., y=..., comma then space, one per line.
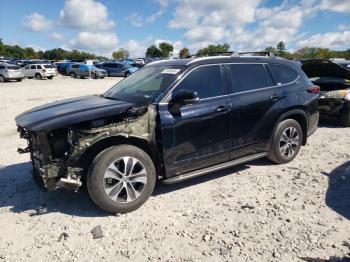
x=138, y=48
x=96, y=42
x=88, y=15
x=342, y=6
x=162, y=3
x=56, y=36
x=251, y=26
x=344, y=27
x=332, y=40
x=37, y=23
x=138, y=20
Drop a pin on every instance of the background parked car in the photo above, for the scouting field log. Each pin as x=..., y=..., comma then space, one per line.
x=84, y=70
x=334, y=81
x=117, y=69
x=62, y=67
x=10, y=72
x=40, y=71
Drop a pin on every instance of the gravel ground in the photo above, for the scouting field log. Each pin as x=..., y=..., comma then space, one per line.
x=254, y=212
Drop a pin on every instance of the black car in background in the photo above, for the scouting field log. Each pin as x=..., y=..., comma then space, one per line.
x=170, y=121
x=334, y=81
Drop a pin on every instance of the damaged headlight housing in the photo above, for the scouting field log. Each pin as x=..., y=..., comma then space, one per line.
x=338, y=94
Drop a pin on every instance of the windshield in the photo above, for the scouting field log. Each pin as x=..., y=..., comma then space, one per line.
x=144, y=85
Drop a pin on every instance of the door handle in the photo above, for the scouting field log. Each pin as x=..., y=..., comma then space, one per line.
x=275, y=97
x=222, y=109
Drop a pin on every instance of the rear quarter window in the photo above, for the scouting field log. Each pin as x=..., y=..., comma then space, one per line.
x=246, y=77
x=282, y=74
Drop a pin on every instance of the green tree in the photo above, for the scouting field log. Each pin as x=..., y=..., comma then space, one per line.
x=166, y=49
x=153, y=51
x=184, y=53
x=271, y=49
x=214, y=49
x=281, y=48
x=121, y=54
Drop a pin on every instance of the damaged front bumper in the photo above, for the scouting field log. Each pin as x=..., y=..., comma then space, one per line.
x=332, y=103
x=49, y=173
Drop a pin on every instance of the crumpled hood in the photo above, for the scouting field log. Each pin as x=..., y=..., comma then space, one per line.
x=70, y=111
x=324, y=68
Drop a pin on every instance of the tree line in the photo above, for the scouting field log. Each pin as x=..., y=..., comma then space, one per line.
x=16, y=51
x=165, y=50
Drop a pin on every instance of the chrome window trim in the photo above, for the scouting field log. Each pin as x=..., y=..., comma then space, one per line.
x=165, y=100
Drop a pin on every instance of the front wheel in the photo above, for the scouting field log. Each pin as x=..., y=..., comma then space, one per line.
x=127, y=74
x=2, y=79
x=73, y=75
x=286, y=142
x=50, y=77
x=38, y=77
x=121, y=179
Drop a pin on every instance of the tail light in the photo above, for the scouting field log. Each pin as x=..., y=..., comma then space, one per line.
x=314, y=89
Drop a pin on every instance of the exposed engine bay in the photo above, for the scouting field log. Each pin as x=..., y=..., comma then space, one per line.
x=61, y=157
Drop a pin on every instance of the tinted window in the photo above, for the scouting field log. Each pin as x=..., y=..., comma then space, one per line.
x=75, y=66
x=13, y=67
x=246, y=77
x=2, y=67
x=49, y=66
x=206, y=81
x=282, y=74
x=38, y=67
x=32, y=67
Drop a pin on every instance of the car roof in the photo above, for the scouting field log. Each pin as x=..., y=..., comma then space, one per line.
x=223, y=59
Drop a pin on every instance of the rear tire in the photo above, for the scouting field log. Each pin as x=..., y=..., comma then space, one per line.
x=2, y=79
x=121, y=179
x=73, y=75
x=345, y=117
x=286, y=142
x=19, y=80
x=38, y=77
x=50, y=77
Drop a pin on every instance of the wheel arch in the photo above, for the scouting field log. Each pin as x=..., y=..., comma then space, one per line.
x=298, y=115
x=87, y=157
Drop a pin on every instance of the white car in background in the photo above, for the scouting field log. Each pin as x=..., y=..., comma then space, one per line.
x=10, y=72
x=40, y=71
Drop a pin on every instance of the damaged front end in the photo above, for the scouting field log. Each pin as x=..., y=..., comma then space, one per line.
x=61, y=157
x=332, y=103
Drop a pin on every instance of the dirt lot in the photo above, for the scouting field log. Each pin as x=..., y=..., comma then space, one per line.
x=254, y=212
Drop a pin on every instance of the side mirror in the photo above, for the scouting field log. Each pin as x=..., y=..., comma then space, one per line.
x=185, y=97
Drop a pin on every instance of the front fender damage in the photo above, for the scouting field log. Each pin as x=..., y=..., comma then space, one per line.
x=66, y=170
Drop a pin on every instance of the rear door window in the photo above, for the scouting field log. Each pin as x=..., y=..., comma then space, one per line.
x=75, y=66
x=33, y=67
x=206, y=81
x=39, y=67
x=247, y=77
x=282, y=74
x=2, y=67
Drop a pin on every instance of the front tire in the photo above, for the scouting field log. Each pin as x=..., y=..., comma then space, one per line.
x=121, y=179
x=286, y=142
x=2, y=79
x=73, y=75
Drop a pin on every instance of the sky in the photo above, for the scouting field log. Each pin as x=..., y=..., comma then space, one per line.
x=102, y=26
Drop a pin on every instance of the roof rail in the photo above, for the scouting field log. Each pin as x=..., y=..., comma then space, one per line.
x=233, y=53
x=258, y=53
x=227, y=53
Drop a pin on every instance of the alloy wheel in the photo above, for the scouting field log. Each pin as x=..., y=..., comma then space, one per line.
x=289, y=142
x=125, y=179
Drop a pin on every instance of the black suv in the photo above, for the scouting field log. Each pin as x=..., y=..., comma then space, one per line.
x=171, y=121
